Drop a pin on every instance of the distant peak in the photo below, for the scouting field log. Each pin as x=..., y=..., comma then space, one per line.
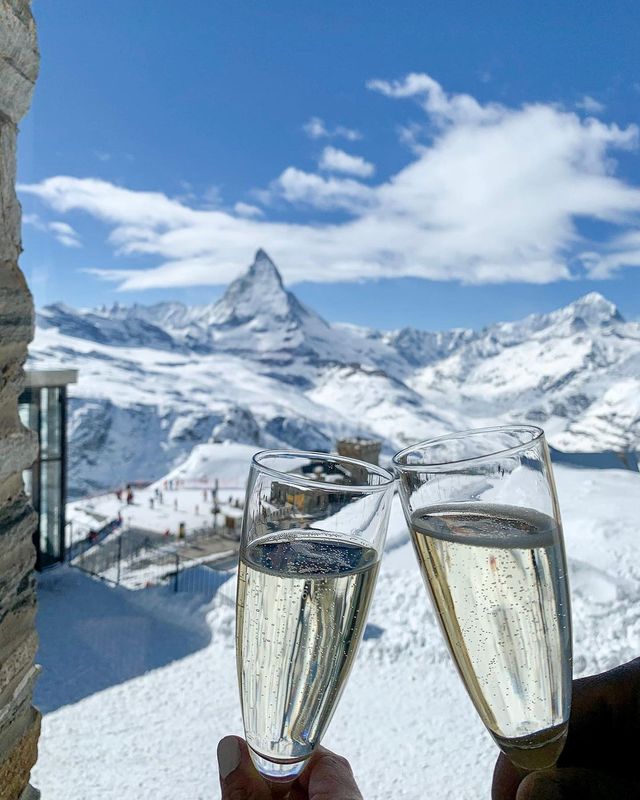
x=593, y=299
x=263, y=267
x=594, y=307
x=61, y=307
x=259, y=292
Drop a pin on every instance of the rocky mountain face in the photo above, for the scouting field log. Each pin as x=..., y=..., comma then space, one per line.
x=259, y=367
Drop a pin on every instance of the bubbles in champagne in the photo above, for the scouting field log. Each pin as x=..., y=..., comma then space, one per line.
x=496, y=575
x=303, y=598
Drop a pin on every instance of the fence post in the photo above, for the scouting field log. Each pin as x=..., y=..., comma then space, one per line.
x=119, y=557
x=175, y=578
x=215, y=506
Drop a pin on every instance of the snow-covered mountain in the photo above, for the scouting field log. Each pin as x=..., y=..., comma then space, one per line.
x=259, y=367
x=559, y=370
x=257, y=317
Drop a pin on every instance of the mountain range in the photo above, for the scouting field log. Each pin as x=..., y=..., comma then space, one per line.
x=260, y=367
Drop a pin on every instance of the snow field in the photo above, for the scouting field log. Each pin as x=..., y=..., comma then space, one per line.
x=184, y=502
x=145, y=719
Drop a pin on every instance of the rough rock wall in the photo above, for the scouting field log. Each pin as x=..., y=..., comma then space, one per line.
x=19, y=721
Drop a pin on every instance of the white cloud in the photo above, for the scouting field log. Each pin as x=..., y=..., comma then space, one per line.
x=33, y=220
x=441, y=107
x=493, y=195
x=248, y=210
x=307, y=188
x=622, y=251
x=315, y=128
x=335, y=160
x=590, y=105
x=62, y=231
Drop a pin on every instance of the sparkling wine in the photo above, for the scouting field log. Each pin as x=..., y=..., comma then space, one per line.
x=303, y=598
x=496, y=574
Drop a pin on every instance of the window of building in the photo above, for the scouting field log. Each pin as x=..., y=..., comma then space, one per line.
x=42, y=408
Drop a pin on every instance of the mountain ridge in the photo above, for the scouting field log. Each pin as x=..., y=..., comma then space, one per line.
x=258, y=366
x=263, y=282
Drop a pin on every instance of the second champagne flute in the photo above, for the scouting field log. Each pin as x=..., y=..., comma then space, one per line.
x=313, y=533
x=485, y=524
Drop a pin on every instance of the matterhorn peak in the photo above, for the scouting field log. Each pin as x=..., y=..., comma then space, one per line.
x=262, y=259
x=263, y=269
x=257, y=293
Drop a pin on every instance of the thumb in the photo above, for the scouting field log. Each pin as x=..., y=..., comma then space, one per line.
x=238, y=777
x=329, y=775
x=575, y=784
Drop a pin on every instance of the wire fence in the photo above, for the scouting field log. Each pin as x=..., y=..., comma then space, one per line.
x=137, y=558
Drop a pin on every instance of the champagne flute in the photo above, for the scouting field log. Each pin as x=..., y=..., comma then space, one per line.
x=313, y=532
x=485, y=524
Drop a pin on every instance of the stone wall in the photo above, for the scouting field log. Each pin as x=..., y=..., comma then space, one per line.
x=19, y=721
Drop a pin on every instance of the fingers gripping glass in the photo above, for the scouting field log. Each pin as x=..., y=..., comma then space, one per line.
x=485, y=524
x=312, y=537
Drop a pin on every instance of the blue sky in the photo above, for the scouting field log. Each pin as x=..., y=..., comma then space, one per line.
x=439, y=164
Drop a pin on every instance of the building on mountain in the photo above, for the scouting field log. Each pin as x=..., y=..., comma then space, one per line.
x=43, y=408
x=301, y=505
x=232, y=520
x=295, y=503
x=360, y=448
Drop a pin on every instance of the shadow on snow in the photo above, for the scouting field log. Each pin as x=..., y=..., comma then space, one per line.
x=93, y=636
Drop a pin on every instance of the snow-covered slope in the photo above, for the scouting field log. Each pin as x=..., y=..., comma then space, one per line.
x=138, y=687
x=260, y=368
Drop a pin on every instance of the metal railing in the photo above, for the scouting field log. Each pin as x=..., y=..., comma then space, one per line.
x=137, y=558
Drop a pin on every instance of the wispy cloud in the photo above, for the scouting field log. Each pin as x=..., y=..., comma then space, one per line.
x=62, y=231
x=441, y=107
x=590, y=105
x=33, y=220
x=493, y=194
x=248, y=210
x=65, y=234
x=335, y=160
x=412, y=135
x=212, y=197
x=316, y=128
x=622, y=251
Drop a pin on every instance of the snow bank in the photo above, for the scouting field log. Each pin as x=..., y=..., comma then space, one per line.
x=227, y=461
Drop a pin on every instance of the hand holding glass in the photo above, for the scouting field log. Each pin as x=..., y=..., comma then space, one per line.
x=482, y=509
x=312, y=537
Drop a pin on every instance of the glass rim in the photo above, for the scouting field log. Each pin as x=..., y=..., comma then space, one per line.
x=335, y=458
x=537, y=435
